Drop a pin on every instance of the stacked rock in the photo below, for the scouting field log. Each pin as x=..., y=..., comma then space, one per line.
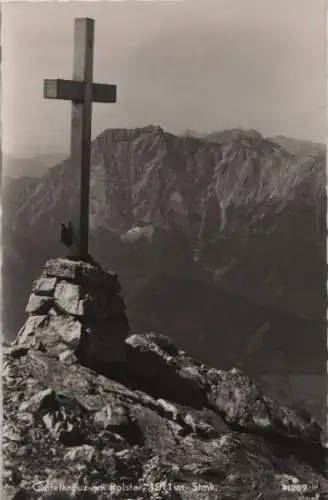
x=75, y=310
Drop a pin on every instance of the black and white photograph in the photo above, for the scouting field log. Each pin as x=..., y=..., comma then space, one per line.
x=163, y=234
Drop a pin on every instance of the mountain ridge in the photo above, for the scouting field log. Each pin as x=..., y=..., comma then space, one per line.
x=162, y=146
x=244, y=215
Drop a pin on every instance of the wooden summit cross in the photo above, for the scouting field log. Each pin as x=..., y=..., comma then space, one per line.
x=82, y=92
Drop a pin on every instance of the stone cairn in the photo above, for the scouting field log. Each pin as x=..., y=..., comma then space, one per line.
x=75, y=312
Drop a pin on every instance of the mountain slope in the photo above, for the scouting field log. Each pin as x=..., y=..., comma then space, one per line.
x=164, y=426
x=242, y=215
x=150, y=167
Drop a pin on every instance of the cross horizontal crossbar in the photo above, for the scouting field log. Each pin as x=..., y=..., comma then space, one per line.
x=71, y=90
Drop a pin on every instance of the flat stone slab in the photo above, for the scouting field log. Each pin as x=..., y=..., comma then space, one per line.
x=62, y=268
x=82, y=273
x=57, y=348
x=68, y=298
x=67, y=357
x=91, y=402
x=38, y=304
x=69, y=329
x=16, y=351
x=33, y=405
x=41, y=366
x=44, y=286
x=83, y=453
x=32, y=324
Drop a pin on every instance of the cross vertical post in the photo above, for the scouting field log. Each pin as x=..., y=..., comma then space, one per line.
x=81, y=127
x=82, y=92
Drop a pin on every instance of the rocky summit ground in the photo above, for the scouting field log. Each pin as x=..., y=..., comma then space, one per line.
x=161, y=425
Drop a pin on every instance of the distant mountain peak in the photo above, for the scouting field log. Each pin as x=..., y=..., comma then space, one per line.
x=128, y=132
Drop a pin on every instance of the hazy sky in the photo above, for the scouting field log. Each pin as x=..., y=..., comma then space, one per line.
x=198, y=64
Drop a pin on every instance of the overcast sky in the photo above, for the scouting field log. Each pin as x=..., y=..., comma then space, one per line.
x=197, y=64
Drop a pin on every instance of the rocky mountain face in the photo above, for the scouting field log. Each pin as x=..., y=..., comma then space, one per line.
x=296, y=147
x=100, y=413
x=219, y=243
